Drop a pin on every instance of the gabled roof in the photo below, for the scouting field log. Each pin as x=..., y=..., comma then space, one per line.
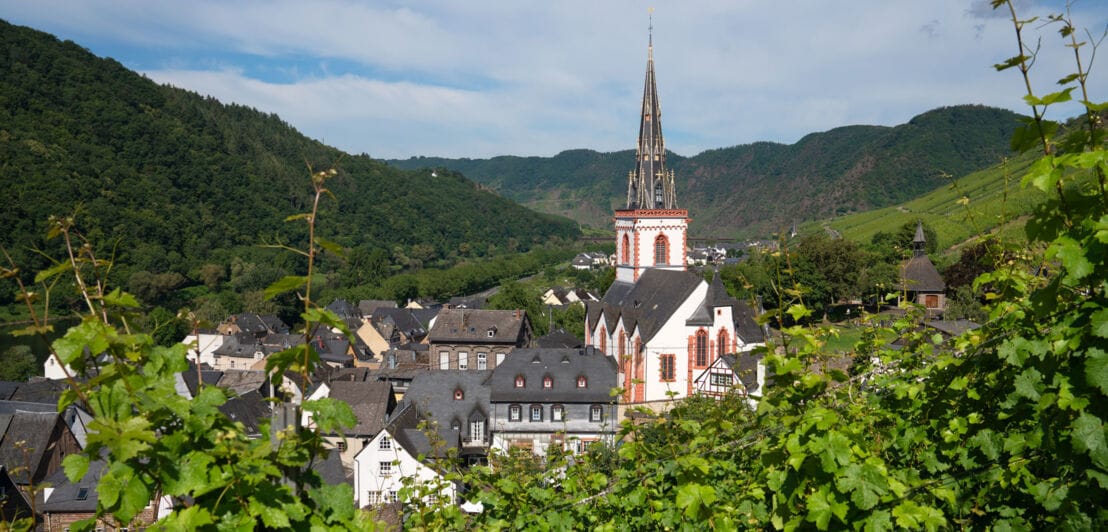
x=404, y=428
x=242, y=381
x=480, y=326
x=343, y=309
x=370, y=306
x=20, y=422
x=563, y=366
x=432, y=393
x=647, y=304
x=250, y=409
x=559, y=338
x=74, y=497
x=39, y=390
x=239, y=345
x=403, y=319
x=371, y=401
x=746, y=326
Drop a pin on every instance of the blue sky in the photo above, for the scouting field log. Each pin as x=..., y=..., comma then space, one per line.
x=480, y=78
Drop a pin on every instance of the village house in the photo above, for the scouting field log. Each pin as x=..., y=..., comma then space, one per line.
x=372, y=403
x=920, y=280
x=477, y=339
x=391, y=459
x=553, y=397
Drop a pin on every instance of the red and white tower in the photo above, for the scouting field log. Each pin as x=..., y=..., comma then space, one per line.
x=651, y=231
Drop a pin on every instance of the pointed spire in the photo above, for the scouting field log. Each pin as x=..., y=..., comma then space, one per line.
x=920, y=240
x=650, y=186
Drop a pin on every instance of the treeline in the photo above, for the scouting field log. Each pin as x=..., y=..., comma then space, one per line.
x=179, y=189
x=829, y=273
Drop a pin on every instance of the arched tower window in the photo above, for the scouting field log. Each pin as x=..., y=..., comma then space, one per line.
x=701, y=348
x=626, y=250
x=723, y=342
x=603, y=340
x=661, y=250
x=659, y=196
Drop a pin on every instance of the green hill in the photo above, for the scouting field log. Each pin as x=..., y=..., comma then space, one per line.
x=759, y=188
x=172, y=180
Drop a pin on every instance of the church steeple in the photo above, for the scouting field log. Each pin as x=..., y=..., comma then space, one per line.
x=649, y=185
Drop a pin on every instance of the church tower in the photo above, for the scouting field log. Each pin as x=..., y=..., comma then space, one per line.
x=651, y=229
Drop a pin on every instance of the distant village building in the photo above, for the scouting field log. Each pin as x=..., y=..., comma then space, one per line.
x=475, y=339
x=661, y=324
x=920, y=280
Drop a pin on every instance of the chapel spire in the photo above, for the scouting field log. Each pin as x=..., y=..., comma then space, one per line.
x=650, y=185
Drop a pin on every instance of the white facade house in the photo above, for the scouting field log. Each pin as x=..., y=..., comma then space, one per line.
x=202, y=346
x=381, y=468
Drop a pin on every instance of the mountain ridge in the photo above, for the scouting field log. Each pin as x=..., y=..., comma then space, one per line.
x=738, y=190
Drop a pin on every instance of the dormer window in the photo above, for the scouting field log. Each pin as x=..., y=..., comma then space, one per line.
x=459, y=394
x=520, y=381
x=491, y=332
x=547, y=382
x=582, y=382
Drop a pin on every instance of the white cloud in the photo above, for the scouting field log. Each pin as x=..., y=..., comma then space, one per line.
x=481, y=78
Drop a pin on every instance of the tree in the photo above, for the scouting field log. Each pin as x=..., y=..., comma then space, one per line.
x=514, y=295
x=19, y=364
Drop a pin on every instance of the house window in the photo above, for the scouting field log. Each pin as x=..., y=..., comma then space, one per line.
x=459, y=394
x=547, y=382
x=482, y=361
x=342, y=446
x=82, y=494
x=536, y=413
x=394, y=496
x=621, y=349
x=626, y=250
x=596, y=413
x=386, y=443
x=582, y=382
x=668, y=368
x=557, y=413
x=724, y=345
x=520, y=381
x=477, y=429
x=385, y=469
x=374, y=497
x=514, y=413
x=463, y=360
x=603, y=340
x=701, y=348
x=661, y=250
x=491, y=332
x=444, y=359
x=721, y=379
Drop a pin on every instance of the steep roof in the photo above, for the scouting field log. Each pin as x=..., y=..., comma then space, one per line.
x=559, y=338
x=74, y=497
x=432, y=393
x=371, y=401
x=479, y=326
x=648, y=303
x=24, y=423
x=370, y=306
x=563, y=366
x=404, y=428
x=343, y=309
x=920, y=275
x=250, y=409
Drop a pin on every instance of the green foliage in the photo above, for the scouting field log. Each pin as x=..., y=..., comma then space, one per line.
x=17, y=363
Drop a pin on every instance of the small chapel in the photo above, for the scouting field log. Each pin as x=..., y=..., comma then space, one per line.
x=664, y=325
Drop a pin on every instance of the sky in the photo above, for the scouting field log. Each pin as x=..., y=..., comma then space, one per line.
x=480, y=78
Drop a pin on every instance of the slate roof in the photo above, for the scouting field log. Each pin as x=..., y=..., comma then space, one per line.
x=242, y=381
x=65, y=497
x=920, y=275
x=370, y=306
x=39, y=390
x=343, y=309
x=648, y=303
x=402, y=319
x=8, y=388
x=20, y=422
x=250, y=409
x=745, y=366
x=563, y=366
x=559, y=338
x=239, y=345
x=371, y=401
x=474, y=326
x=953, y=327
x=745, y=324
x=330, y=469
x=404, y=428
x=432, y=393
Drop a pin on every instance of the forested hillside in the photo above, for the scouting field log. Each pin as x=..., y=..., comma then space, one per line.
x=762, y=187
x=176, y=183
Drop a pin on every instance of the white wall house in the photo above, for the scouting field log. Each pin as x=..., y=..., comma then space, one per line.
x=380, y=469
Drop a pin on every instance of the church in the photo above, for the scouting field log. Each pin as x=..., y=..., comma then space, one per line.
x=664, y=325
